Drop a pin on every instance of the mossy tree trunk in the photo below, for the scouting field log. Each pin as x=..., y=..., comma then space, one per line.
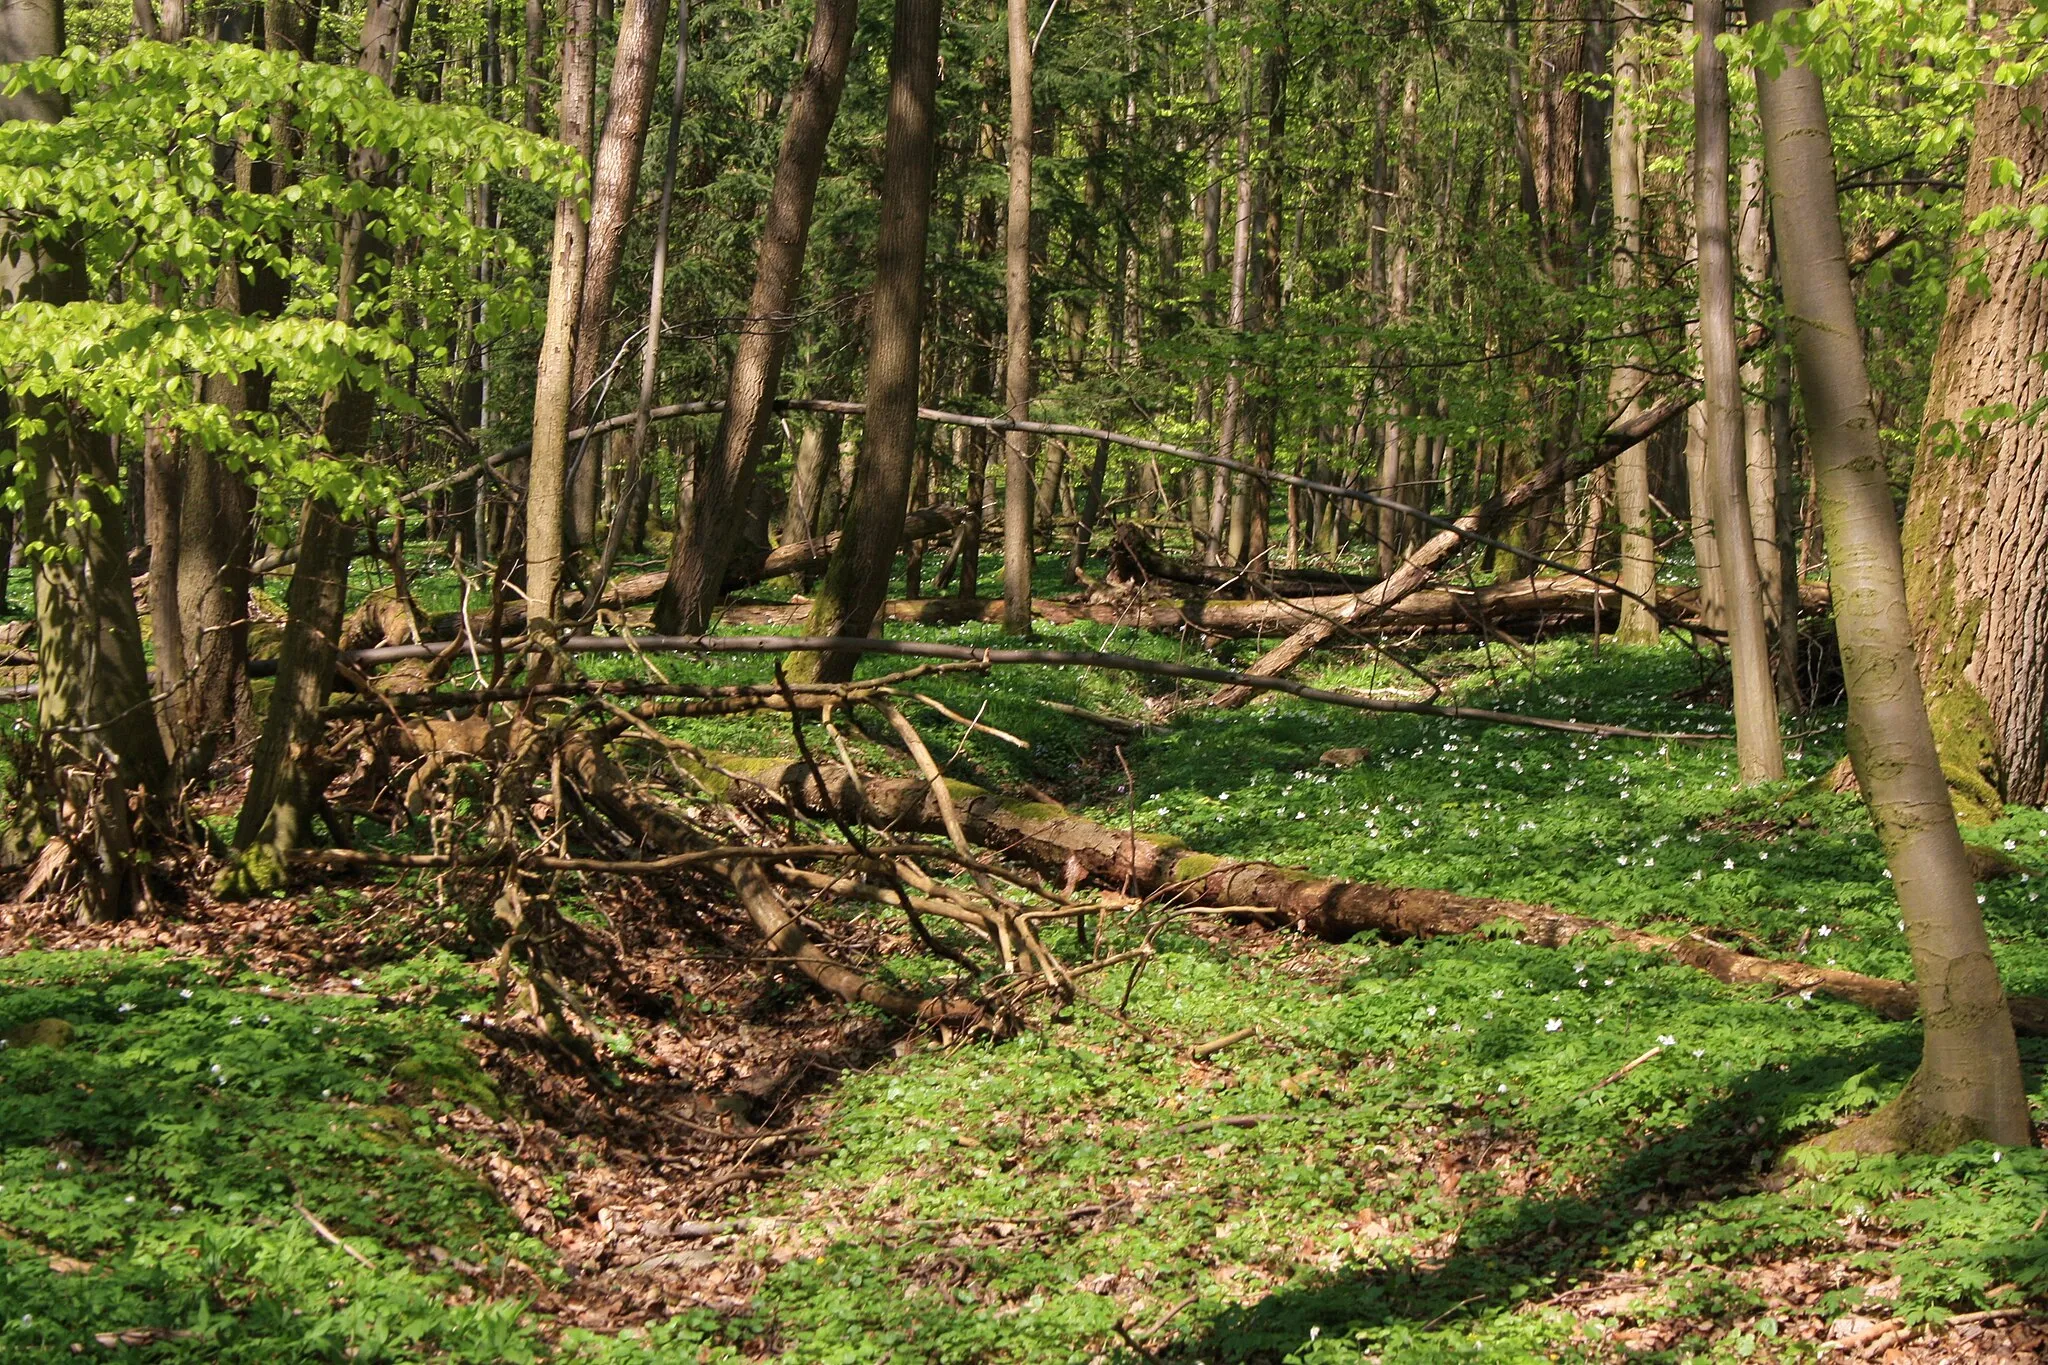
x=1976, y=532
x=1969, y=1083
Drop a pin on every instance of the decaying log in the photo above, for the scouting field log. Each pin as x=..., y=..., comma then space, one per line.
x=1058, y=843
x=1527, y=606
x=381, y=620
x=1134, y=561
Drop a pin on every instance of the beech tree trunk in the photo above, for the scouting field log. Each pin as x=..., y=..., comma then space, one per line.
x=614, y=199
x=704, y=545
x=283, y=787
x=1759, y=750
x=1969, y=1084
x=1976, y=533
x=1767, y=479
x=1639, y=622
x=547, y=465
x=857, y=580
x=1019, y=545
x=93, y=707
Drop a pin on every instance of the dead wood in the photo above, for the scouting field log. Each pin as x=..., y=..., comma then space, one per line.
x=1055, y=842
x=1134, y=561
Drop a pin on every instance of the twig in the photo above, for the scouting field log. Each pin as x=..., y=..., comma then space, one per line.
x=1630, y=1067
x=328, y=1236
x=1216, y=1045
x=1230, y=1121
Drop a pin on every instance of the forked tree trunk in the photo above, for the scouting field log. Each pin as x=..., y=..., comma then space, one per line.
x=1969, y=1083
x=547, y=465
x=1019, y=544
x=1639, y=623
x=1976, y=532
x=704, y=547
x=857, y=580
x=1759, y=750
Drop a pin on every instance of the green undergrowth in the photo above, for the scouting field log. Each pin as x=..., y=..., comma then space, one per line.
x=1438, y=1140
x=157, y=1170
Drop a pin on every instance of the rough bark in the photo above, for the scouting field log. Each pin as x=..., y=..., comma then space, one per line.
x=1759, y=750
x=698, y=560
x=1977, y=567
x=94, y=710
x=1019, y=545
x=857, y=579
x=1969, y=1083
x=817, y=455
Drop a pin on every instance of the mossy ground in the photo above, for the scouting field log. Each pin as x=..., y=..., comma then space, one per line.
x=1444, y=1153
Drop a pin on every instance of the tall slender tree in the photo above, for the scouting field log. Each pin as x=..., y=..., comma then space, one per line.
x=553, y=383
x=1639, y=623
x=1969, y=1084
x=857, y=578
x=1759, y=749
x=1018, y=503
x=704, y=545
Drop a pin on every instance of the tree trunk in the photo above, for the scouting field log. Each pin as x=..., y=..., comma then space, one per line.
x=1969, y=1083
x=1227, y=512
x=1639, y=622
x=1091, y=507
x=701, y=551
x=93, y=707
x=817, y=456
x=1759, y=750
x=1977, y=567
x=857, y=580
x=1019, y=545
x=283, y=790
x=547, y=465
x=1766, y=480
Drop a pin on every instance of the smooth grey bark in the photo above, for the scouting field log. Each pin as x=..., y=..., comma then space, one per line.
x=1969, y=1084
x=1759, y=749
x=547, y=465
x=1019, y=544
x=1639, y=622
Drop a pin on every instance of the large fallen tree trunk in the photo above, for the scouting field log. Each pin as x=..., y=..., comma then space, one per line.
x=381, y=620
x=1526, y=607
x=1134, y=561
x=1413, y=573
x=1060, y=844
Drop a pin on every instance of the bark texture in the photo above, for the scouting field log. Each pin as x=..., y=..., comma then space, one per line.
x=701, y=552
x=858, y=578
x=1976, y=532
x=1759, y=751
x=1969, y=1083
x=1019, y=546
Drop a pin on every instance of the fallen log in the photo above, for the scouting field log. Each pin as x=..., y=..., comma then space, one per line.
x=381, y=620
x=1530, y=606
x=1134, y=561
x=1413, y=573
x=1060, y=844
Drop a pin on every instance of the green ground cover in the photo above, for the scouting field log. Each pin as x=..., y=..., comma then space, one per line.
x=1443, y=1152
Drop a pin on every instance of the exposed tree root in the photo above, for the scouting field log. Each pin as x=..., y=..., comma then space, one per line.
x=1059, y=843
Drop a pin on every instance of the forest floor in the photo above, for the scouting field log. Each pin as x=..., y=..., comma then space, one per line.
x=302, y=1130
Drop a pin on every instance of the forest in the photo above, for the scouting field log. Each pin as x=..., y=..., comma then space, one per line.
x=1260, y=680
